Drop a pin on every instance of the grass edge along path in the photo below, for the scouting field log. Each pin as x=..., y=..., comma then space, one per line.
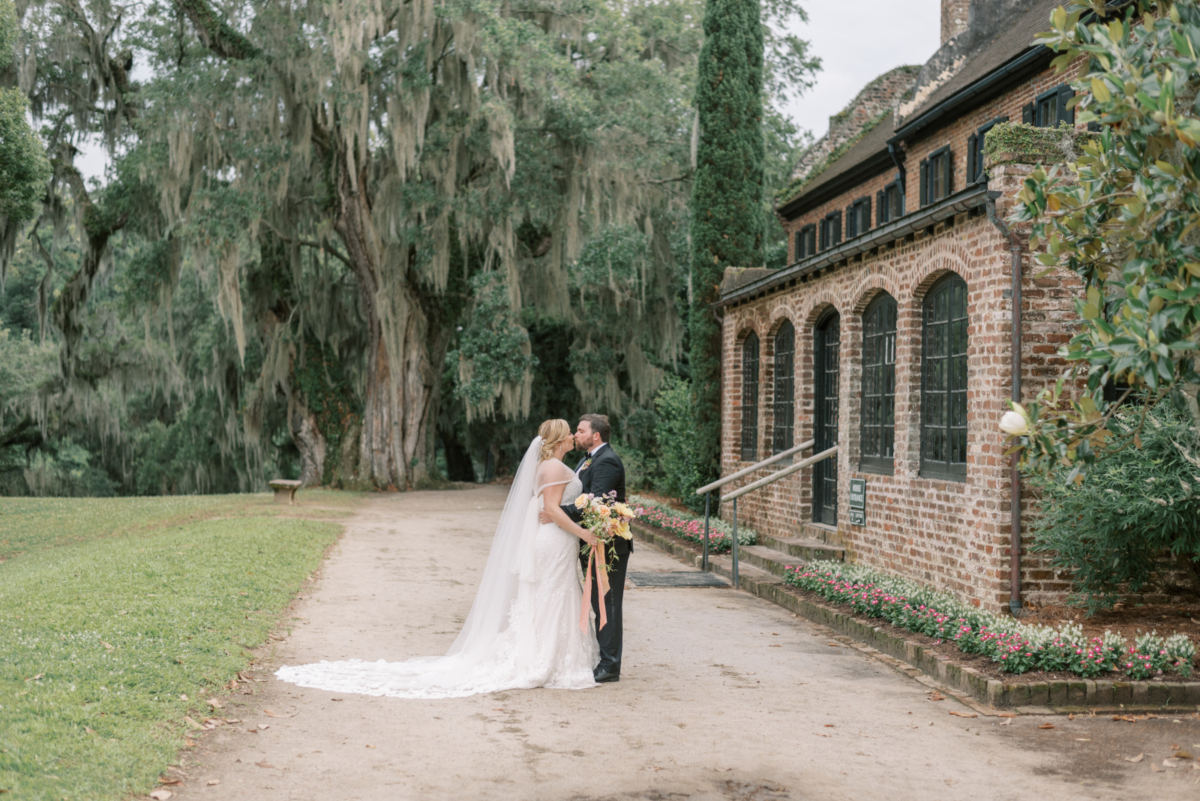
x=110, y=645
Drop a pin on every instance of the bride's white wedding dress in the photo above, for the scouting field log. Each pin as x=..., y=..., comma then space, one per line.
x=524, y=627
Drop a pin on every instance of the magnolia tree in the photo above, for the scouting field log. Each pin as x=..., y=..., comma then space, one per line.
x=1126, y=218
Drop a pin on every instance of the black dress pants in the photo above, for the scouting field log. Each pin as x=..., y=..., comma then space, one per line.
x=609, y=637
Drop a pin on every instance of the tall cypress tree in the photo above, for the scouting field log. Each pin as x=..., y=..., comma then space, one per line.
x=727, y=191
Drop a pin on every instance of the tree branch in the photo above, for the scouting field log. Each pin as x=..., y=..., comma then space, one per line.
x=218, y=35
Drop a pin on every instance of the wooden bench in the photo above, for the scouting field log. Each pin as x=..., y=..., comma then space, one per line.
x=285, y=490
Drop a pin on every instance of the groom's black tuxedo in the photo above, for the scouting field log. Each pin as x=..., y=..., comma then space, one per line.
x=600, y=475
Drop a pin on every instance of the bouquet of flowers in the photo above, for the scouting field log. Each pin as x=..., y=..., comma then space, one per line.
x=607, y=518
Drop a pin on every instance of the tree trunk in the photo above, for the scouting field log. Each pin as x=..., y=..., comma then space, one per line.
x=306, y=433
x=399, y=376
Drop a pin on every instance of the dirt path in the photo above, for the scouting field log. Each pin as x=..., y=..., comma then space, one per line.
x=723, y=696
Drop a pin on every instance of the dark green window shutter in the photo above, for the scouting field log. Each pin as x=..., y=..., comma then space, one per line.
x=880, y=209
x=924, y=182
x=851, y=223
x=972, y=150
x=1027, y=114
x=949, y=173
x=837, y=227
x=1065, y=114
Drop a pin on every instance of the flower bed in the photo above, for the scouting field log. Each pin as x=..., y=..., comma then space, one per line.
x=1015, y=647
x=690, y=527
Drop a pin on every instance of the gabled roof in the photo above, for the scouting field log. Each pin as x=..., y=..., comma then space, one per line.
x=1011, y=40
x=862, y=159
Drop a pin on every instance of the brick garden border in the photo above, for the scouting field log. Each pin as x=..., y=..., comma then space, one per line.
x=1038, y=697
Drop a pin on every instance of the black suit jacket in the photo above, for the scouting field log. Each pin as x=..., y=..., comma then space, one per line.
x=605, y=474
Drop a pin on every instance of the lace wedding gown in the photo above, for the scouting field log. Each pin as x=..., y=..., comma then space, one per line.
x=533, y=573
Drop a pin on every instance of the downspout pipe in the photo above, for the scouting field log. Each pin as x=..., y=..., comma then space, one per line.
x=1014, y=246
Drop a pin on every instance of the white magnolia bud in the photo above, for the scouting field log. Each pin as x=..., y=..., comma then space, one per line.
x=1014, y=423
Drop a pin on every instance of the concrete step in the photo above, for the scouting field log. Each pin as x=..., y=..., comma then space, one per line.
x=767, y=559
x=819, y=532
x=806, y=549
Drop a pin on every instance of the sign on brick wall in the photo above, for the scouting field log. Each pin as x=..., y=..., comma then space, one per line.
x=858, y=501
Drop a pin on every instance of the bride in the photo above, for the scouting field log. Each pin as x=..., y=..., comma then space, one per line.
x=524, y=628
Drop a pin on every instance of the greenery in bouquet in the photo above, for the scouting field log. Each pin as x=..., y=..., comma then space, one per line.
x=607, y=518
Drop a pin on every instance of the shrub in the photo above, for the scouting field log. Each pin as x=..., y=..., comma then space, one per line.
x=679, y=443
x=1112, y=531
x=1015, y=647
x=690, y=528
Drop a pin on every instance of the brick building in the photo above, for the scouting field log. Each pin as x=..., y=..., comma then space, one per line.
x=891, y=332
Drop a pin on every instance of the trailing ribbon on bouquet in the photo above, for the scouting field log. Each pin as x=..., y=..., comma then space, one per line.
x=595, y=557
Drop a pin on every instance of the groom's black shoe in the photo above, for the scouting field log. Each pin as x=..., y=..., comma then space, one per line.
x=603, y=675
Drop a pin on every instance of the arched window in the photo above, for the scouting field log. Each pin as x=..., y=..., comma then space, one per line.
x=879, y=385
x=784, y=410
x=826, y=346
x=944, y=381
x=750, y=398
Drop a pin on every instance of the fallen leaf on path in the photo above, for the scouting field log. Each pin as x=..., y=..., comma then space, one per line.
x=271, y=714
x=822, y=735
x=232, y=720
x=266, y=765
x=1137, y=758
x=161, y=795
x=1006, y=714
x=722, y=770
x=830, y=726
x=370, y=746
x=1175, y=747
x=107, y=646
x=189, y=721
x=834, y=644
x=956, y=713
x=335, y=699
x=1083, y=739
x=214, y=703
x=1046, y=726
x=1156, y=768
x=264, y=725
x=1171, y=762
x=213, y=782
x=936, y=696
x=776, y=646
x=1006, y=722
x=183, y=697
x=1071, y=716
x=1182, y=754
x=189, y=742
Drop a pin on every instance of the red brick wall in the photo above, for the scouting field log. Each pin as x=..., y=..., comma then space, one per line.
x=954, y=134
x=954, y=535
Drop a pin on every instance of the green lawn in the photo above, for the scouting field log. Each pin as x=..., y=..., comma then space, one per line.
x=112, y=609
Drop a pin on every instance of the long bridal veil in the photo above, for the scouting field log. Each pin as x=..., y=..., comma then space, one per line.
x=470, y=666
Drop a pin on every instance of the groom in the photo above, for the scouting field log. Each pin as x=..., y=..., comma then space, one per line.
x=601, y=472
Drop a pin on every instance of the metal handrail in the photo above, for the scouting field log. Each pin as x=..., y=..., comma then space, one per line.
x=762, y=482
x=803, y=446
x=787, y=471
x=707, y=489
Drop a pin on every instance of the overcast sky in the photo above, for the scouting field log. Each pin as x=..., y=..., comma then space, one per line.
x=858, y=41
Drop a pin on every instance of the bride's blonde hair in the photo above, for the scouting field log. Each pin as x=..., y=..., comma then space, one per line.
x=552, y=432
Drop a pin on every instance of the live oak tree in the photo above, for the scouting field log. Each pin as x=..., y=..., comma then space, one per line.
x=377, y=203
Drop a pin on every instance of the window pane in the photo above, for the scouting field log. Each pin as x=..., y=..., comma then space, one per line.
x=879, y=381
x=944, y=420
x=785, y=401
x=750, y=398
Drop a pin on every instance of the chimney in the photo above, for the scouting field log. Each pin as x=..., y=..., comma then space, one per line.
x=954, y=18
